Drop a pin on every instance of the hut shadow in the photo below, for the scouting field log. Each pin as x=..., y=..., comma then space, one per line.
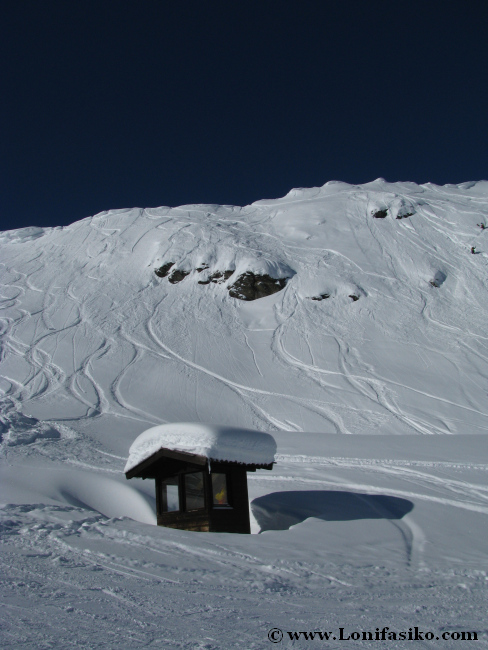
x=280, y=510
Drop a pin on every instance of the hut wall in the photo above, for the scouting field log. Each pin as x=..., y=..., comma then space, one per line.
x=236, y=518
x=197, y=520
x=231, y=519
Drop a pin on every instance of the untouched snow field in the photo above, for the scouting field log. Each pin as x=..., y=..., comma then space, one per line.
x=375, y=514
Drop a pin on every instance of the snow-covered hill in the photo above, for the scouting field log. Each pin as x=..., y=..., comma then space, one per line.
x=376, y=327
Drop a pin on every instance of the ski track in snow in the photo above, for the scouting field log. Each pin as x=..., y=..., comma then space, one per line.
x=50, y=377
x=468, y=495
x=95, y=348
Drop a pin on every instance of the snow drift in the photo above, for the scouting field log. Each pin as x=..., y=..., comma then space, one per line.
x=215, y=443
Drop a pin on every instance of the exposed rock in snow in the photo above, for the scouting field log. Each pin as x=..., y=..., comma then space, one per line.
x=178, y=275
x=248, y=286
x=215, y=443
x=219, y=277
x=322, y=296
x=163, y=271
x=251, y=286
x=404, y=215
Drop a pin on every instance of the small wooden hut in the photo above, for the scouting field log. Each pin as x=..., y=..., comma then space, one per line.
x=200, y=473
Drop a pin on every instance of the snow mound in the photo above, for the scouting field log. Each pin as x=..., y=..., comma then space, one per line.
x=19, y=429
x=215, y=442
x=22, y=235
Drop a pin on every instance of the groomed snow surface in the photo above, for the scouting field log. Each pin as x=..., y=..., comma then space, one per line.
x=369, y=369
x=213, y=442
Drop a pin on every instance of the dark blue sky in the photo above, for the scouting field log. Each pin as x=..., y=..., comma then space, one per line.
x=109, y=103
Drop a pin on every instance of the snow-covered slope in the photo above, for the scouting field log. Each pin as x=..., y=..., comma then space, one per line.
x=90, y=332
x=378, y=329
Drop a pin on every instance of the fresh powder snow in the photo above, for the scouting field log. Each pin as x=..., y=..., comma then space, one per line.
x=215, y=443
x=347, y=321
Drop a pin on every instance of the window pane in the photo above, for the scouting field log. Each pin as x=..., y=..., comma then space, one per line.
x=194, y=491
x=170, y=496
x=219, y=490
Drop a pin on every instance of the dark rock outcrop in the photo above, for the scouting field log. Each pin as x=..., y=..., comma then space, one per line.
x=405, y=215
x=178, y=275
x=250, y=286
x=163, y=271
x=379, y=214
x=354, y=297
x=321, y=296
x=217, y=278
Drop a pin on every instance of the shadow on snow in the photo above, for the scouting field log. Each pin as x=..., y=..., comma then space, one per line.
x=280, y=510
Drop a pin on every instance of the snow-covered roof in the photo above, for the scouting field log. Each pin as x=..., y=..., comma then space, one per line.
x=214, y=442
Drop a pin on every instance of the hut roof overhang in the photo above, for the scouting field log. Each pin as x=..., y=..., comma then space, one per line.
x=199, y=444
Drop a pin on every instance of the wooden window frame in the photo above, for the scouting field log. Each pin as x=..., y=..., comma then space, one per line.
x=161, y=495
x=182, y=484
x=229, y=505
x=208, y=504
